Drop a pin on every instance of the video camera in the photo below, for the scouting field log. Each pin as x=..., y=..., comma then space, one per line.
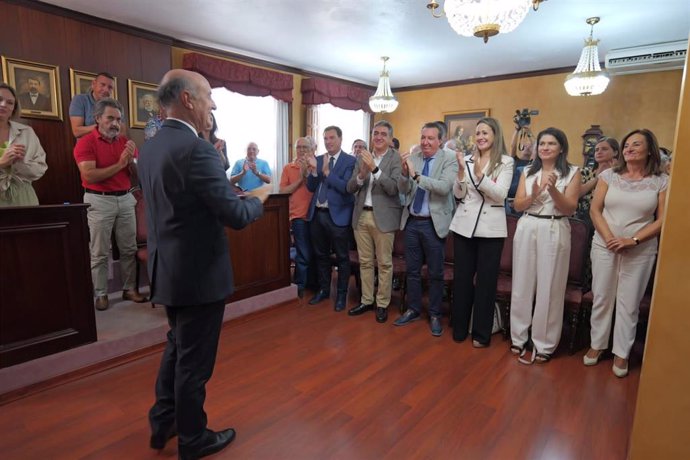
x=524, y=118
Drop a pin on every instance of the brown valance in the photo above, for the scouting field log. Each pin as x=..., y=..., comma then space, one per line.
x=323, y=91
x=250, y=81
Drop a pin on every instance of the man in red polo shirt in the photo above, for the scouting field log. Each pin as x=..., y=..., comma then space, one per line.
x=104, y=159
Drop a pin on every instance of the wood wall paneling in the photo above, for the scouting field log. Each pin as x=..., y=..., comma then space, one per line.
x=46, y=304
x=40, y=33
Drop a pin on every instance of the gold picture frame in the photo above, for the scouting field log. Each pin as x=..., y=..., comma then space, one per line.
x=80, y=82
x=461, y=126
x=143, y=102
x=37, y=86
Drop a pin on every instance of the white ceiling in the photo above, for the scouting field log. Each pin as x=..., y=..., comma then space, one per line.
x=346, y=38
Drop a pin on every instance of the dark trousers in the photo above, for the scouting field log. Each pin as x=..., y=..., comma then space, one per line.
x=422, y=243
x=480, y=258
x=324, y=236
x=186, y=366
x=300, y=233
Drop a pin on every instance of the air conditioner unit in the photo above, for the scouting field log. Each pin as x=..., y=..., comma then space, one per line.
x=647, y=58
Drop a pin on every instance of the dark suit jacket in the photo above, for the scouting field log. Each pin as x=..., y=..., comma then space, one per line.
x=340, y=201
x=188, y=203
x=384, y=193
x=42, y=102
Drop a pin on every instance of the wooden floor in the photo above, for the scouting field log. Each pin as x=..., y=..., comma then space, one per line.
x=303, y=382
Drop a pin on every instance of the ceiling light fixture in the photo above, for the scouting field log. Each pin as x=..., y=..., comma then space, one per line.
x=588, y=79
x=483, y=18
x=383, y=100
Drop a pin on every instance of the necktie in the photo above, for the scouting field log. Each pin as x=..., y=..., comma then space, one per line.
x=419, y=196
x=324, y=187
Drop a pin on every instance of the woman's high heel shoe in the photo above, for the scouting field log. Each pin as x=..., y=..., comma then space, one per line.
x=587, y=361
x=620, y=372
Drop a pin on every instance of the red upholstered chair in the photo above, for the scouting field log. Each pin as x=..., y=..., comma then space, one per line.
x=580, y=243
x=142, y=254
x=505, y=282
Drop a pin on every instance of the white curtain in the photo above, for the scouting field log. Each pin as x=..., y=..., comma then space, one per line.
x=282, y=142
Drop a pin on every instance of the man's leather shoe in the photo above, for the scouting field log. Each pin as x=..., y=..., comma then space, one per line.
x=134, y=296
x=360, y=309
x=340, y=301
x=381, y=315
x=435, y=326
x=214, y=442
x=320, y=296
x=159, y=440
x=102, y=303
x=407, y=317
x=300, y=292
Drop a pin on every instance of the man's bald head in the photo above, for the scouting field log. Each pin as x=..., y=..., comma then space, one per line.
x=186, y=95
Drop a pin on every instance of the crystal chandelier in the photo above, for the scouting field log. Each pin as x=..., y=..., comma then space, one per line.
x=383, y=100
x=588, y=79
x=484, y=18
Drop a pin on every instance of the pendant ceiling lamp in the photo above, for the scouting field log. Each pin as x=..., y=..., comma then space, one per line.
x=588, y=79
x=483, y=18
x=383, y=100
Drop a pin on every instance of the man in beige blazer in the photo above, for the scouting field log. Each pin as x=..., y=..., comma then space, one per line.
x=376, y=217
x=427, y=182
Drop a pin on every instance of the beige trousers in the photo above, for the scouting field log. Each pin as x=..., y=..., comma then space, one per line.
x=618, y=280
x=374, y=245
x=105, y=214
x=541, y=254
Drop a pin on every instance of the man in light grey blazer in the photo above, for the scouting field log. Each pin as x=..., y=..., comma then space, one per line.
x=427, y=182
x=376, y=217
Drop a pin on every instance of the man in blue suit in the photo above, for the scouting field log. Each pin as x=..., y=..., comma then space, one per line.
x=330, y=214
x=189, y=201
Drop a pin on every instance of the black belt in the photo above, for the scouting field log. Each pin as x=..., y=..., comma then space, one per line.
x=542, y=216
x=321, y=209
x=368, y=208
x=420, y=217
x=97, y=192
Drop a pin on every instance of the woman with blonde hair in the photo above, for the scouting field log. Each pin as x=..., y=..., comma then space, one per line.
x=627, y=211
x=479, y=231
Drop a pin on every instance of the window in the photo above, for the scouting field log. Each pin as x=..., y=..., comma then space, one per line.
x=244, y=119
x=354, y=123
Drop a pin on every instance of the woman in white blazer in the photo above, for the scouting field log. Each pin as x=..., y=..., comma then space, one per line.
x=547, y=193
x=479, y=231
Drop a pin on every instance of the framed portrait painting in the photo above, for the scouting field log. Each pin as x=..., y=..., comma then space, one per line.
x=461, y=126
x=80, y=82
x=143, y=103
x=37, y=86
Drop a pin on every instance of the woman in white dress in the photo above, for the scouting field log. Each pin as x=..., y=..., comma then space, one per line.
x=547, y=193
x=627, y=210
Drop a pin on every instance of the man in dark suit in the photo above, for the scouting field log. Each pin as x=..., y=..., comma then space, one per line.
x=330, y=214
x=189, y=201
x=34, y=99
x=376, y=217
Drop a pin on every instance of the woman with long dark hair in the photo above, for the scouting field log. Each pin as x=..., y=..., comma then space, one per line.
x=479, y=231
x=627, y=211
x=209, y=133
x=547, y=194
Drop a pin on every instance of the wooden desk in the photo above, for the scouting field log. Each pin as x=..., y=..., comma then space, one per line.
x=46, y=305
x=260, y=252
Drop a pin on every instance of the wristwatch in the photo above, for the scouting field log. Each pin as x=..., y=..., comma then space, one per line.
x=415, y=176
x=636, y=240
x=375, y=170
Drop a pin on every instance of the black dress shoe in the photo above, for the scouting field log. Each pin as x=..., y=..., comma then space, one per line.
x=406, y=318
x=435, y=326
x=381, y=315
x=359, y=309
x=320, y=296
x=213, y=442
x=160, y=439
x=340, y=301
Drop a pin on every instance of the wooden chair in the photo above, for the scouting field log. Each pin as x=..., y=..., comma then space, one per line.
x=142, y=254
x=580, y=243
x=505, y=282
x=399, y=265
